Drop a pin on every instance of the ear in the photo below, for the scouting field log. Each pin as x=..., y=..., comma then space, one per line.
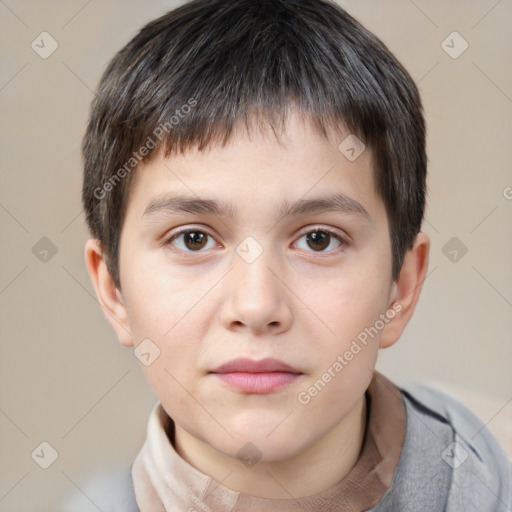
x=109, y=297
x=406, y=290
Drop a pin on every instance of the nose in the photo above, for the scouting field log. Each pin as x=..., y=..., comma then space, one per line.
x=257, y=299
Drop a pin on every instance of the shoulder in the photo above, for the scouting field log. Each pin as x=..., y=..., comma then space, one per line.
x=470, y=432
x=121, y=496
x=449, y=460
x=109, y=491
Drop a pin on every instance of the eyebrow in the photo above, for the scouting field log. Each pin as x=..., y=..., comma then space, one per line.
x=182, y=204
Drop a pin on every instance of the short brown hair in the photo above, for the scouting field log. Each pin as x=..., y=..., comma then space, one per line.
x=189, y=77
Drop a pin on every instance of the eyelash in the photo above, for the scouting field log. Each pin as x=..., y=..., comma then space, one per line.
x=343, y=243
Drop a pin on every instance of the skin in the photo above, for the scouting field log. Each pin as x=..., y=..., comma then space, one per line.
x=295, y=302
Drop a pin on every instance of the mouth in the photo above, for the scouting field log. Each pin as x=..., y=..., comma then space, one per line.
x=257, y=377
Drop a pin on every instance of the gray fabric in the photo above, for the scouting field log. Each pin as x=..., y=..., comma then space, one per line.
x=435, y=475
x=449, y=462
x=125, y=496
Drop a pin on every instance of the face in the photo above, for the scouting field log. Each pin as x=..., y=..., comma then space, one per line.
x=292, y=265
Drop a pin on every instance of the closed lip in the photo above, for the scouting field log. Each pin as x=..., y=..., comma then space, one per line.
x=267, y=365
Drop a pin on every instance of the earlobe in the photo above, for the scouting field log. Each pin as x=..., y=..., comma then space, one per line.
x=109, y=297
x=407, y=289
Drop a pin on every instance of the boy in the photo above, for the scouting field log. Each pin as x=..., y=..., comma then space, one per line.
x=255, y=186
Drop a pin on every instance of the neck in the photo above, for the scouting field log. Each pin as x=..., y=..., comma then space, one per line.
x=312, y=471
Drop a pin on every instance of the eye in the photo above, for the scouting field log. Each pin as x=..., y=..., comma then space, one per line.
x=194, y=240
x=320, y=239
x=191, y=240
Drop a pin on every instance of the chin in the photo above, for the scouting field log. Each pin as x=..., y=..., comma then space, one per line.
x=260, y=423
x=267, y=444
x=260, y=450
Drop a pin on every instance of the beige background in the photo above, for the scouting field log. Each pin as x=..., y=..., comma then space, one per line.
x=64, y=377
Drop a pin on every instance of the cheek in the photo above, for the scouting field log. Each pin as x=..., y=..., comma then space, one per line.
x=160, y=298
x=162, y=311
x=348, y=304
x=345, y=358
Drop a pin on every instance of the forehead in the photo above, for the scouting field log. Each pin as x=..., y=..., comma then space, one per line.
x=283, y=169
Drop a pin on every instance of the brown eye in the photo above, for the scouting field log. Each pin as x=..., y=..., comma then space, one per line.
x=191, y=240
x=319, y=240
x=195, y=240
